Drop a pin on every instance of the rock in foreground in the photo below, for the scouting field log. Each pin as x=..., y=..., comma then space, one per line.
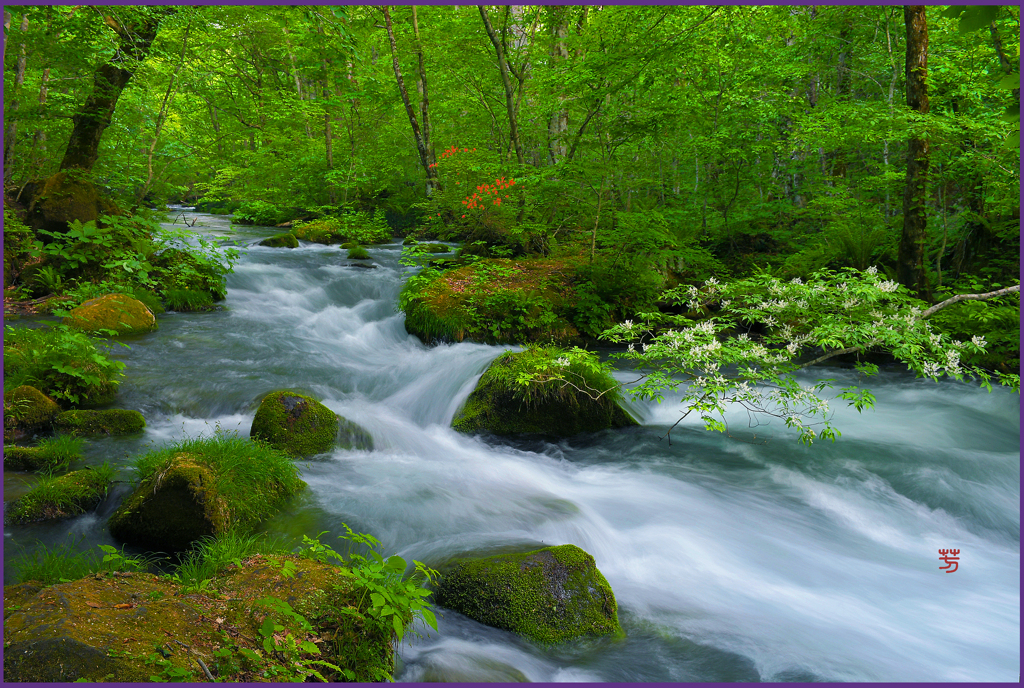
x=550, y=595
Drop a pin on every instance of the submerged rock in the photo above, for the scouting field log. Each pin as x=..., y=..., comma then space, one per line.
x=27, y=410
x=295, y=423
x=118, y=313
x=105, y=627
x=285, y=240
x=499, y=406
x=66, y=496
x=109, y=422
x=550, y=595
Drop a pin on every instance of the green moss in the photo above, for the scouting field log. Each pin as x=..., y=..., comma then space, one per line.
x=351, y=436
x=295, y=423
x=28, y=408
x=202, y=487
x=66, y=196
x=68, y=495
x=550, y=595
x=433, y=248
x=285, y=240
x=53, y=453
x=109, y=422
x=119, y=313
x=547, y=406
x=349, y=244
x=358, y=253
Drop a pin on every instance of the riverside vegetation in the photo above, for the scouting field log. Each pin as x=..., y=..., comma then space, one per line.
x=721, y=209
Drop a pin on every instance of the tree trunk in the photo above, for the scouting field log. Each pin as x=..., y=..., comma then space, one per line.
x=503, y=68
x=910, y=267
x=424, y=98
x=110, y=79
x=420, y=146
x=19, y=80
x=558, y=124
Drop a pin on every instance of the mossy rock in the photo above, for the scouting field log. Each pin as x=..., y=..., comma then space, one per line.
x=119, y=313
x=104, y=627
x=203, y=487
x=358, y=253
x=27, y=410
x=295, y=423
x=286, y=240
x=25, y=458
x=63, y=198
x=433, y=248
x=499, y=406
x=351, y=436
x=69, y=495
x=109, y=422
x=349, y=244
x=551, y=595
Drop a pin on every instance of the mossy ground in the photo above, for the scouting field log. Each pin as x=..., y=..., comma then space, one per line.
x=118, y=313
x=203, y=487
x=295, y=423
x=495, y=301
x=550, y=595
x=63, y=497
x=109, y=422
x=546, y=406
x=104, y=627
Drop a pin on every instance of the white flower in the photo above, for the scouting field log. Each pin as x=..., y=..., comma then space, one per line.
x=931, y=368
x=934, y=339
x=628, y=324
x=562, y=362
x=796, y=280
x=850, y=303
x=871, y=270
x=841, y=286
x=978, y=341
x=915, y=311
x=888, y=286
x=631, y=348
x=711, y=281
x=742, y=337
x=792, y=347
x=725, y=304
x=646, y=347
x=770, y=321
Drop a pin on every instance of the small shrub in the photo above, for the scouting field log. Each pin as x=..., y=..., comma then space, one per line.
x=187, y=300
x=260, y=213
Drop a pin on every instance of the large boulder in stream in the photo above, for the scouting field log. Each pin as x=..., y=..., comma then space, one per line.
x=550, y=595
x=302, y=426
x=553, y=404
x=203, y=487
x=117, y=313
x=111, y=627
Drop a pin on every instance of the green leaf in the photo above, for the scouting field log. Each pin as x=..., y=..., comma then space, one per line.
x=1010, y=81
x=977, y=17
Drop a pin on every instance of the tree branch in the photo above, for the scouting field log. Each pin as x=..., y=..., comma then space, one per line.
x=969, y=297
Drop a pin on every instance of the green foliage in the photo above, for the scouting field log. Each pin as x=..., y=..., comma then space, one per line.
x=358, y=253
x=211, y=555
x=745, y=346
x=260, y=213
x=359, y=227
x=188, y=300
x=64, y=364
x=386, y=596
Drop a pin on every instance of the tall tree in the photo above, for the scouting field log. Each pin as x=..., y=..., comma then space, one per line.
x=506, y=83
x=910, y=268
x=134, y=39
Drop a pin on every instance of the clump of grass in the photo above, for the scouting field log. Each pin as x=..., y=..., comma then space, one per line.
x=61, y=449
x=62, y=497
x=53, y=454
x=212, y=554
x=62, y=563
x=250, y=476
x=358, y=253
x=188, y=300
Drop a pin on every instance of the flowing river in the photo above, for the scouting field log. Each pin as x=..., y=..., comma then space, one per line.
x=731, y=558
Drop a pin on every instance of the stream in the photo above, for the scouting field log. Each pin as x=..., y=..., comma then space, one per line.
x=732, y=558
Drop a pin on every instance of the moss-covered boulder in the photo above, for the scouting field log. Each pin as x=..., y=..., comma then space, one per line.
x=203, y=487
x=559, y=401
x=26, y=411
x=67, y=196
x=550, y=595
x=119, y=313
x=52, y=454
x=295, y=423
x=69, y=495
x=105, y=627
x=109, y=422
x=358, y=253
x=24, y=458
x=433, y=248
x=285, y=240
